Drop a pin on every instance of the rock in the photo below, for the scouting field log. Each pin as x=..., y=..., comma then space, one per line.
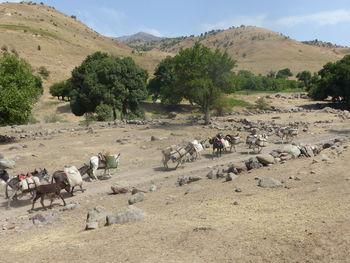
x=2, y=155
x=155, y=138
x=328, y=144
x=292, y=149
x=230, y=176
x=238, y=189
x=118, y=188
x=95, y=217
x=137, y=190
x=138, y=197
x=16, y=147
x=324, y=157
x=188, y=179
x=42, y=219
x=193, y=189
x=7, y=164
x=235, y=203
x=152, y=188
x=241, y=167
x=202, y=228
x=124, y=215
x=274, y=154
x=212, y=174
x=269, y=183
x=70, y=206
x=266, y=159
x=253, y=163
x=177, y=134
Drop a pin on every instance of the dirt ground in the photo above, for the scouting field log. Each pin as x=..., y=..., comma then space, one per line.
x=307, y=220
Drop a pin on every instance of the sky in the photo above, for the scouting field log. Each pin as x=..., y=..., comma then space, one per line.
x=299, y=19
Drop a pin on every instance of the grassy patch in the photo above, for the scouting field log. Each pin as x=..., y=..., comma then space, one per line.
x=53, y=118
x=250, y=92
x=29, y=29
x=238, y=103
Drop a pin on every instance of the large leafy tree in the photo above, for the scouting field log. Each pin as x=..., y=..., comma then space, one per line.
x=109, y=80
x=334, y=81
x=284, y=73
x=200, y=76
x=19, y=90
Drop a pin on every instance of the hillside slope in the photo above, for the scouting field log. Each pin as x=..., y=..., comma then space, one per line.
x=45, y=37
x=140, y=36
x=257, y=49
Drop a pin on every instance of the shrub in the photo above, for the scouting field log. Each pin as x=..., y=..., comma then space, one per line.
x=39, y=47
x=222, y=106
x=262, y=104
x=32, y=120
x=88, y=119
x=104, y=112
x=53, y=118
x=4, y=48
x=44, y=72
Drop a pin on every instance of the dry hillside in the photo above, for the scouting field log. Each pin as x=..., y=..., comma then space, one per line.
x=63, y=42
x=258, y=50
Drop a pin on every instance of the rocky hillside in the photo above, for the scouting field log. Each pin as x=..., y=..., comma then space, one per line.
x=140, y=36
x=256, y=49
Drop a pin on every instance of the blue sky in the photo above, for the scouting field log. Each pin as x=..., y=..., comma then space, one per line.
x=301, y=20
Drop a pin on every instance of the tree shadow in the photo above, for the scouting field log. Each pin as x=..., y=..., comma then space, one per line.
x=64, y=109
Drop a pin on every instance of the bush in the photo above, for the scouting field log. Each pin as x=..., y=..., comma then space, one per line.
x=4, y=48
x=261, y=104
x=88, y=119
x=222, y=106
x=53, y=118
x=32, y=120
x=44, y=72
x=104, y=112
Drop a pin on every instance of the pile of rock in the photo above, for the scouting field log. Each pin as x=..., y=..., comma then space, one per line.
x=6, y=163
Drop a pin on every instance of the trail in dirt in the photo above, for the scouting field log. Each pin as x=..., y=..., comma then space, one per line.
x=147, y=175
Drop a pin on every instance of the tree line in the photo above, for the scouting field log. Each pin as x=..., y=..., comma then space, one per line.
x=110, y=87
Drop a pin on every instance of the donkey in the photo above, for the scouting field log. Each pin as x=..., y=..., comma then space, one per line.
x=72, y=179
x=96, y=163
x=233, y=140
x=15, y=184
x=217, y=145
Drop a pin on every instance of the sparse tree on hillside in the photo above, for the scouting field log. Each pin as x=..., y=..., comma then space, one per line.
x=103, y=79
x=19, y=90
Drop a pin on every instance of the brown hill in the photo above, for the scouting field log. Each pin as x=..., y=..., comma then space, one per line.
x=257, y=49
x=45, y=37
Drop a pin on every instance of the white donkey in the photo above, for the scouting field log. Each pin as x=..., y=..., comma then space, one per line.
x=96, y=163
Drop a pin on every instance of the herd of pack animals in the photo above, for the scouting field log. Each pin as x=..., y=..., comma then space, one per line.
x=40, y=184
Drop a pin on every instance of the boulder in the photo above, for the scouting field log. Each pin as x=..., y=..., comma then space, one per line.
x=212, y=174
x=230, y=176
x=269, y=183
x=95, y=217
x=253, y=163
x=292, y=149
x=136, y=198
x=7, y=164
x=187, y=179
x=2, y=155
x=152, y=188
x=124, y=215
x=118, y=188
x=265, y=159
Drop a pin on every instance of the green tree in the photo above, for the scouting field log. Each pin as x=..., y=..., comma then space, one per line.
x=304, y=77
x=201, y=76
x=19, y=90
x=284, y=73
x=61, y=89
x=334, y=81
x=103, y=79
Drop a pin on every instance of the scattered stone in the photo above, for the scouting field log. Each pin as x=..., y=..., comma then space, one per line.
x=118, y=188
x=42, y=219
x=188, y=179
x=292, y=149
x=235, y=203
x=138, y=197
x=269, y=183
x=324, y=157
x=312, y=172
x=126, y=214
x=202, y=228
x=253, y=163
x=266, y=159
x=7, y=164
x=70, y=206
x=238, y=189
x=193, y=189
x=152, y=188
x=95, y=217
x=136, y=190
x=230, y=176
